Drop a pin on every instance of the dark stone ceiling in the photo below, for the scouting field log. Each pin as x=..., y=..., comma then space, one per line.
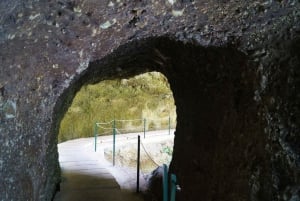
x=233, y=67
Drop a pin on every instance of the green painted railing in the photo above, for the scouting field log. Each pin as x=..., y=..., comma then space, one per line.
x=95, y=134
x=167, y=193
x=114, y=142
x=173, y=187
x=165, y=183
x=114, y=132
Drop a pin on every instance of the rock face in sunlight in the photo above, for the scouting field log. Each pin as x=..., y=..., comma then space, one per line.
x=233, y=68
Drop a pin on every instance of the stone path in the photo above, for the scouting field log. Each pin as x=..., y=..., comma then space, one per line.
x=86, y=175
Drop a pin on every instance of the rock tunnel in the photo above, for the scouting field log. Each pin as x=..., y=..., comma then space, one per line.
x=220, y=141
x=218, y=144
x=234, y=76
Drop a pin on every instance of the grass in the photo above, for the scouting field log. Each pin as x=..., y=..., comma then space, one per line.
x=144, y=96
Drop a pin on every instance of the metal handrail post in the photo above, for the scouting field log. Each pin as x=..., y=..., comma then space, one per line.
x=173, y=187
x=114, y=141
x=144, y=128
x=165, y=182
x=95, y=135
x=169, y=125
x=138, y=165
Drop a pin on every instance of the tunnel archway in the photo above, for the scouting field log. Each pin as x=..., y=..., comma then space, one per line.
x=218, y=142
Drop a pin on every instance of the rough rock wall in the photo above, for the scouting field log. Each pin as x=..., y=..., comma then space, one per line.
x=233, y=68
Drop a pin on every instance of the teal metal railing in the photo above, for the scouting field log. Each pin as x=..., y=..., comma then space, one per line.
x=167, y=193
x=100, y=125
x=173, y=185
x=165, y=183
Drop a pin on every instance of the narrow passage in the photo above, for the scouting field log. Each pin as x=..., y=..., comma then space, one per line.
x=86, y=176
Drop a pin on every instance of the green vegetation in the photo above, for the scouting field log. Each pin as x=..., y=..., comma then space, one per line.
x=143, y=96
x=168, y=150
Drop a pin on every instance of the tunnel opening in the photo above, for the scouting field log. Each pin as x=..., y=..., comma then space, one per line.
x=219, y=141
x=143, y=102
x=140, y=105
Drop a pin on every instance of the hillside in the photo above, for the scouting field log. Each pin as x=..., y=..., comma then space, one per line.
x=144, y=96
